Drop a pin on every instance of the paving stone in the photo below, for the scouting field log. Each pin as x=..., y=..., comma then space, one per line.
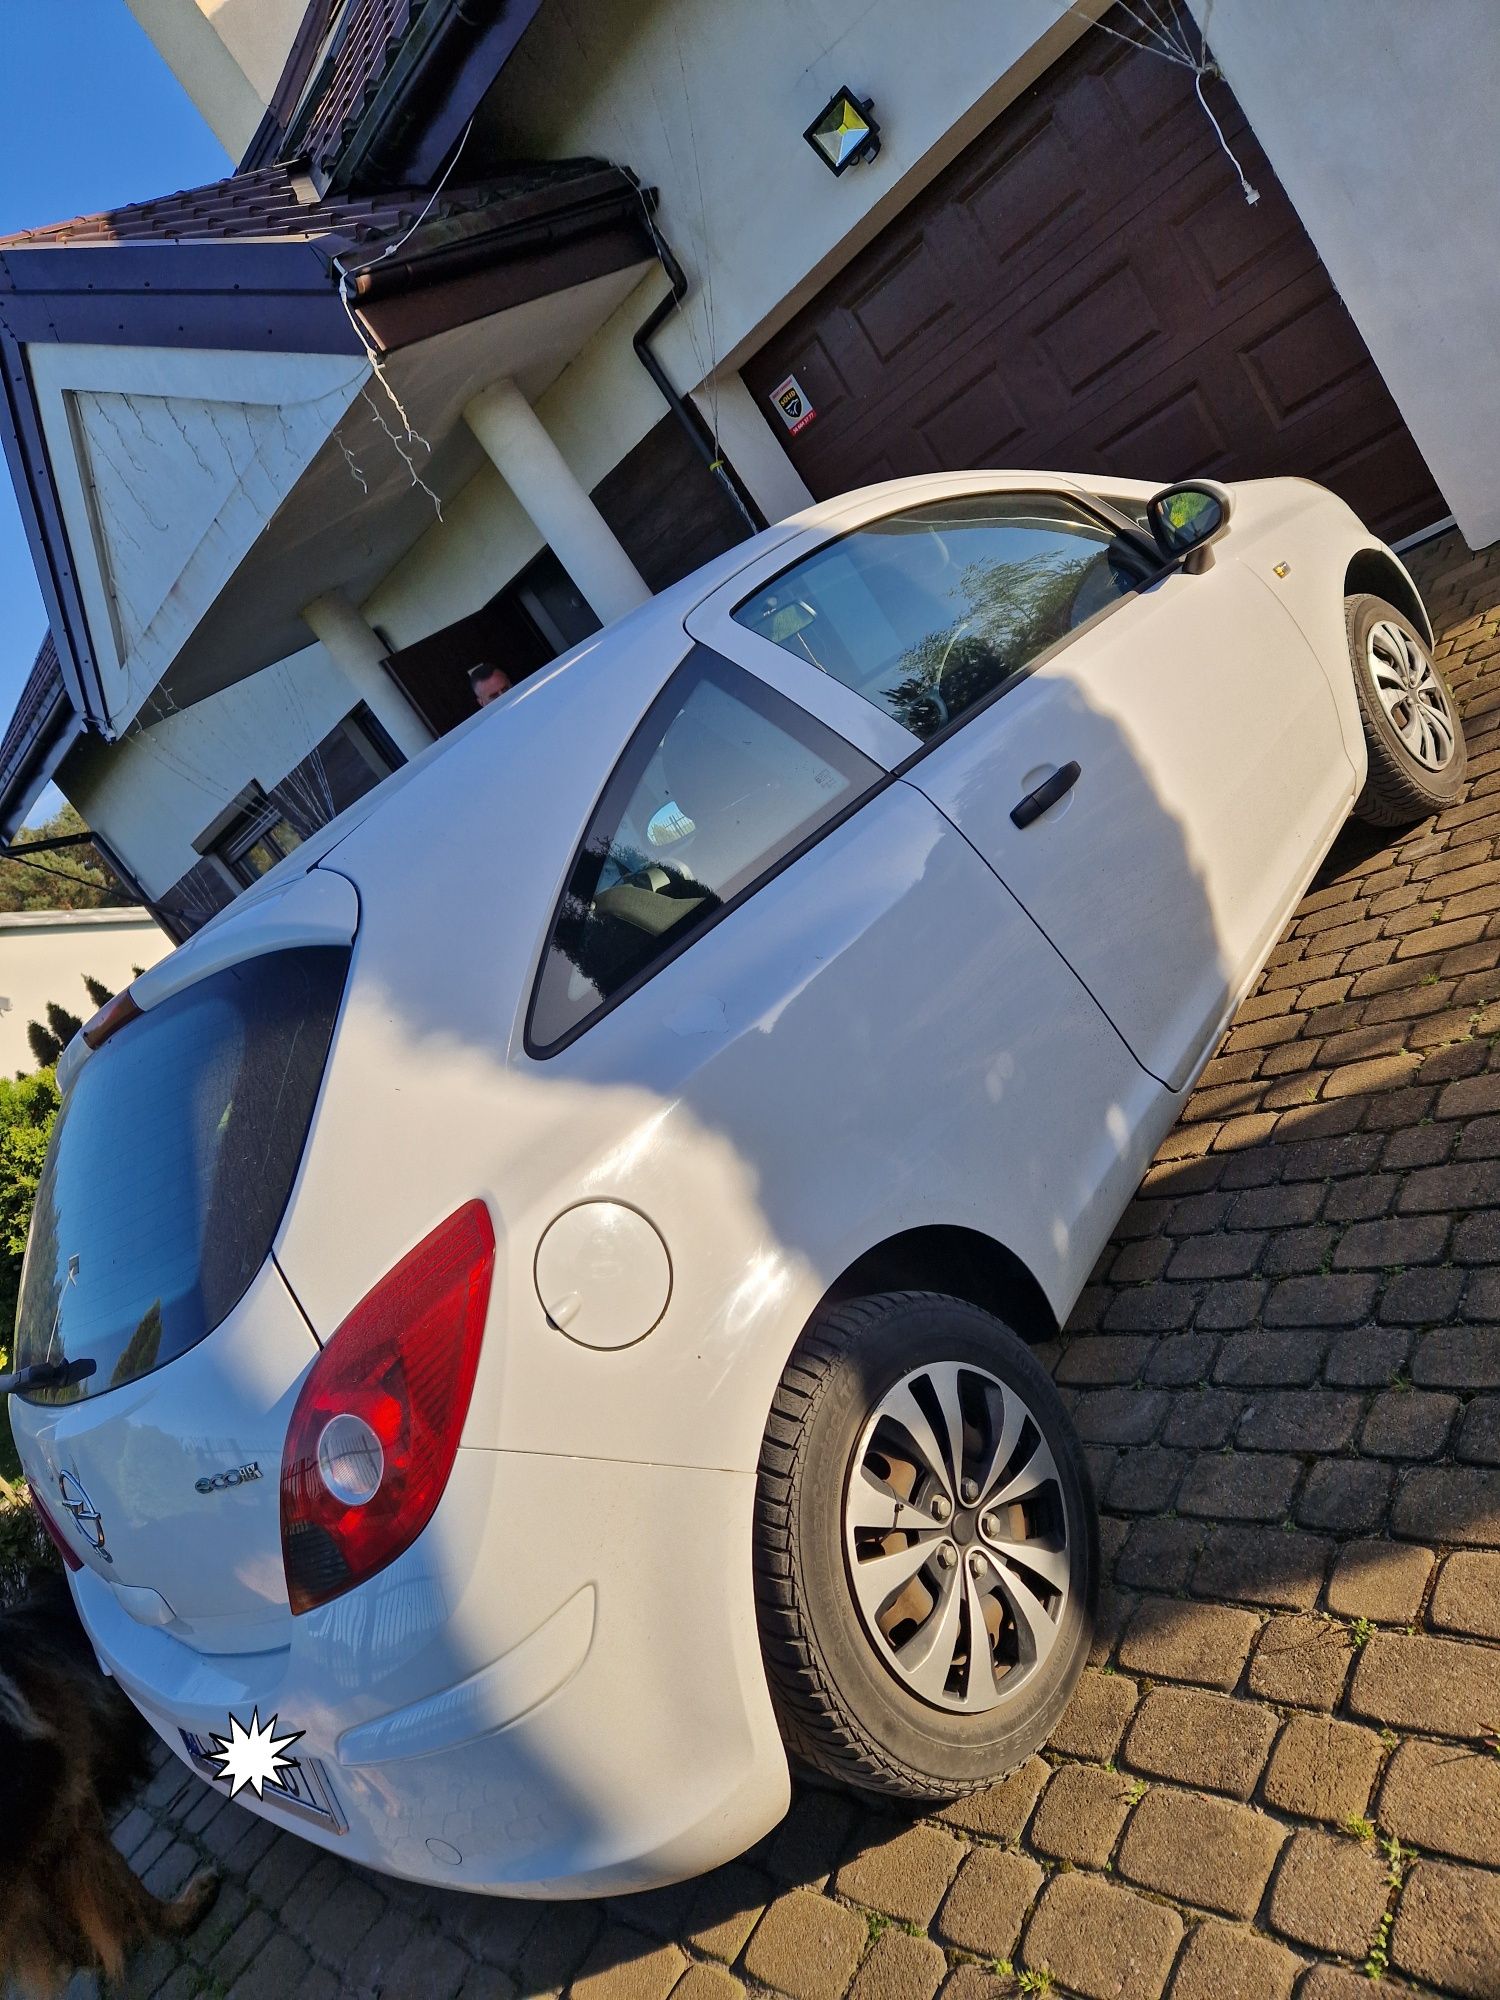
x=493, y=1929
x=898, y=1968
x=1448, y=1503
x=557, y=1947
x=1421, y=1298
x=1107, y=1358
x=1144, y=1481
x=1202, y=1417
x=1448, y=1929
x=1381, y=1581
x=906, y=1875
x=805, y=1849
x=1373, y=1246
x=482, y=1982
x=1479, y=1433
x=1180, y=1358
x=1445, y=1687
x=1341, y=1299
x=1223, y=1962
x=1467, y=1596
x=1444, y=1796
x=1408, y=1423
x=1158, y=1308
x=1119, y=1416
x=1322, y=1769
x=973, y=1982
x=1337, y=1982
x=1081, y=1813
x=1301, y=1662
x=712, y=1982
x=1346, y=1495
x=1000, y=1812
x=1102, y=1941
x=1094, y=1720
x=1203, y=1851
x=1239, y=1485
x=1170, y=1639
x=280, y=1968
x=725, y=1909
x=621, y=1966
x=1227, y=1306
x=1330, y=1893
x=1263, y=1566
x=985, y=1908
x=807, y=1946
x=1159, y=1555
x=1458, y=1357
x=1300, y=1420
x=1262, y=1359
x=1201, y=1739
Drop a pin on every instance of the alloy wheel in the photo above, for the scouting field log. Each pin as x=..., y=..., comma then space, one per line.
x=1411, y=694
x=956, y=1537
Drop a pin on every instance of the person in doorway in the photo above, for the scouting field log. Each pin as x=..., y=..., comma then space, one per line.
x=489, y=681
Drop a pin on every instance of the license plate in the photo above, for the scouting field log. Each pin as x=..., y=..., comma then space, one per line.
x=301, y=1787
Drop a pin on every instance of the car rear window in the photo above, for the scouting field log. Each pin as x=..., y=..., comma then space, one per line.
x=170, y=1166
x=723, y=782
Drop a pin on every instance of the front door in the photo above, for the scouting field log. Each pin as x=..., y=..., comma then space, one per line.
x=1021, y=634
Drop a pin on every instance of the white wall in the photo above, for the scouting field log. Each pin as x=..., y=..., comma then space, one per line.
x=45, y=954
x=1383, y=120
x=154, y=790
x=228, y=56
x=708, y=100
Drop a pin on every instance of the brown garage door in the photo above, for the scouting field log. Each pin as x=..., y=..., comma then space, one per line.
x=1086, y=288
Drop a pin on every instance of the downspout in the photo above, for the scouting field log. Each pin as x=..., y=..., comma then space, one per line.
x=686, y=413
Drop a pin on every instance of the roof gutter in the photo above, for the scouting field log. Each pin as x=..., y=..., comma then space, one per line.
x=47, y=741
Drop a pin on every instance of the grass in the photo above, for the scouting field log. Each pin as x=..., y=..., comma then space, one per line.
x=1361, y=1632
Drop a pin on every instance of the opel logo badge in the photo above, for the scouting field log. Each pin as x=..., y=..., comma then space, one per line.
x=85, y=1514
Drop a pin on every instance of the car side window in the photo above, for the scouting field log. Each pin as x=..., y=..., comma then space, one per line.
x=928, y=612
x=724, y=780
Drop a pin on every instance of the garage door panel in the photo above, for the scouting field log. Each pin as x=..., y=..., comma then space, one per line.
x=1086, y=287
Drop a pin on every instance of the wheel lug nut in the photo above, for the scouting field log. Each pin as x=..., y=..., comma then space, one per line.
x=942, y=1507
x=970, y=1491
x=976, y=1563
x=947, y=1556
x=989, y=1524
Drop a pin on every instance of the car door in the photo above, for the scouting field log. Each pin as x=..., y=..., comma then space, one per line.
x=1150, y=760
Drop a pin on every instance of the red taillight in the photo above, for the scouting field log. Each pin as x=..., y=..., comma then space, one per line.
x=373, y=1437
x=55, y=1533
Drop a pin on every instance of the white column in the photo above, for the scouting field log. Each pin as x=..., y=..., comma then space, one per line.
x=355, y=648
x=535, y=470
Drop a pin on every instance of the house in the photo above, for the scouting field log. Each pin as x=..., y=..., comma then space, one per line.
x=45, y=957
x=517, y=310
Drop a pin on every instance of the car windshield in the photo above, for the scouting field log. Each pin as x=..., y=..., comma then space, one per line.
x=170, y=1165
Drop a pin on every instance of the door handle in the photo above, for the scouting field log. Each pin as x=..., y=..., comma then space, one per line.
x=1047, y=793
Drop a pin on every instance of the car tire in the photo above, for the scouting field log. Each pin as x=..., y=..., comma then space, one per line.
x=1417, y=754
x=858, y=1678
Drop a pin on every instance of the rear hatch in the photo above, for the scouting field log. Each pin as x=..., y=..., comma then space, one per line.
x=169, y=1169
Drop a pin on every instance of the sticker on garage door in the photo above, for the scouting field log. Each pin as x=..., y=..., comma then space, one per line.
x=792, y=406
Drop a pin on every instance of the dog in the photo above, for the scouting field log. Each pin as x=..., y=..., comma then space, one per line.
x=71, y=1749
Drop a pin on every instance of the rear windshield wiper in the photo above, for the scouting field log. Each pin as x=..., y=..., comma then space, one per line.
x=48, y=1375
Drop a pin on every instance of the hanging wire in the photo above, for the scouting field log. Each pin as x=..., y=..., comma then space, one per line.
x=1166, y=36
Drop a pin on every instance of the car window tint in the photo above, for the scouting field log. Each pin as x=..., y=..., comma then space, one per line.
x=927, y=612
x=723, y=780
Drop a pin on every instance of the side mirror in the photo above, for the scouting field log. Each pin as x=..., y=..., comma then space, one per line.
x=1188, y=516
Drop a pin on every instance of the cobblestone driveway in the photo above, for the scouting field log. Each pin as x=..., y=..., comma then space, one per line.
x=1283, y=1765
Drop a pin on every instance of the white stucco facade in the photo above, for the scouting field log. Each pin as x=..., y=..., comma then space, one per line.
x=1381, y=121
x=45, y=956
x=227, y=54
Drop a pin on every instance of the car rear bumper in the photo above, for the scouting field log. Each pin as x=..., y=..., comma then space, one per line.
x=565, y=1699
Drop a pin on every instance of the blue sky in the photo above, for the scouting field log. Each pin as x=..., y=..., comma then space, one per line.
x=90, y=117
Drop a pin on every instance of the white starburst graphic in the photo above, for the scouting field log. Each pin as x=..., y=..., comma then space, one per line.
x=253, y=1756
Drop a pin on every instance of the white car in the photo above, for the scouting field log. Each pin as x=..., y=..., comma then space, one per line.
x=536, y=1296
